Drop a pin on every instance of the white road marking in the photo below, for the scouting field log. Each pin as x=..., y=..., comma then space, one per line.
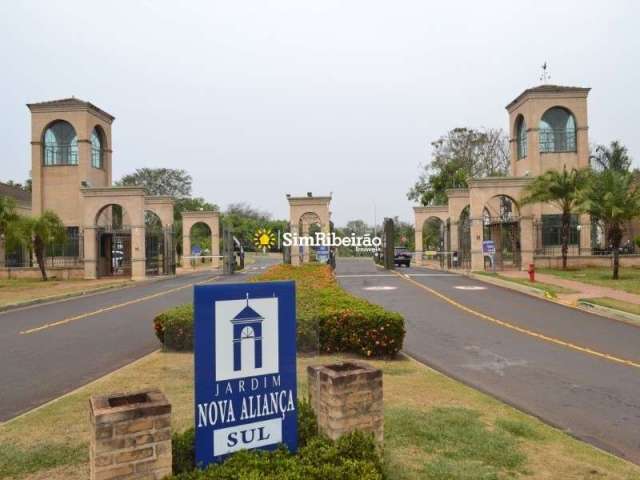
x=380, y=288
x=362, y=275
x=470, y=287
x=433, y=274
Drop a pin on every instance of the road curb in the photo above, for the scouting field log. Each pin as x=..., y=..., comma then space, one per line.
x=583, y=304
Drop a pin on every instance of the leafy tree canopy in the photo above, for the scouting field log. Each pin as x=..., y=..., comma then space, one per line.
x=461, y=154
x=614, y=157
x=160, y=181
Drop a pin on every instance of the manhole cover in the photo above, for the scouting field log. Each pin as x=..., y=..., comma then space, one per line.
x=470, y=287
x=380, y=288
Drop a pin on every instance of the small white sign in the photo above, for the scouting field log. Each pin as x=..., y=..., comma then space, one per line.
x=249, y=435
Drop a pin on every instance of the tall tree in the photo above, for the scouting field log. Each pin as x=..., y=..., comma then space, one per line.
x=37, y=233
x=7, y=213
x=160, y=181
x=562, y=189
x=614, y=157
x=461, y=154
x=613, y=197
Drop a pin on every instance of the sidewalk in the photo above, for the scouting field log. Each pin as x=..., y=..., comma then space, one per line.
x=583, y=290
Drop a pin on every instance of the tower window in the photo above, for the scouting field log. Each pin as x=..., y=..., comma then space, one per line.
x=97, y=151
x=521, y=137
x=557, y=131
x=60, y=144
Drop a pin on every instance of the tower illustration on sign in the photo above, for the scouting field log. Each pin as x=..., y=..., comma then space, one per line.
x=247, y=329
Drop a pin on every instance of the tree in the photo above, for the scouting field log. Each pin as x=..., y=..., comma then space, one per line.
x=245, y=221
x=614, y=157
x=38, y=233
x=461, y=154
x=612, y=197
x=160, y=181
x=7, y=213
x=562, y=189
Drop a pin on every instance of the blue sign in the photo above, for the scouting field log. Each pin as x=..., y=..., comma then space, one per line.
x=488, y=247
x=245, y=368
x=196, y=250
x=322, y=253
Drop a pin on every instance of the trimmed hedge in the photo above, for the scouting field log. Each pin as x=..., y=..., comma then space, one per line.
x=352, y=457
x=330, y=320
x=174, y=327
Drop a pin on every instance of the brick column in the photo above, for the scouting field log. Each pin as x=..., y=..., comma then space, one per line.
x=90, y=253
x=527, y=244
x=347, y=397
x=138, y=253
x=477, y=257
x=295, y=249
x=419, y=252
x=130, y=436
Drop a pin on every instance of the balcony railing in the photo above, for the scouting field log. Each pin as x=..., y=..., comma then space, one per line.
x=555, y=141
x=60, y=155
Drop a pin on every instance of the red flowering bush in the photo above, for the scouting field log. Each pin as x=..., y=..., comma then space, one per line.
x=174, y=327
x=332, y=320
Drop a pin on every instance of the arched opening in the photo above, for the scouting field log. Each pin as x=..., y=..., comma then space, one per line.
x=557, y=131
x=462, y=258
x=113, y=239
x=309, y=225
x=59, y=144
x=97, y=148
x=200, y=241
x=501, y=227
x=247, y=347
x=433, y=240
x=521, y=137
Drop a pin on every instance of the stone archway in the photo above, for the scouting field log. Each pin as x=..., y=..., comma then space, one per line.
x=421, y=215
x=212, y=220
x=301, y=211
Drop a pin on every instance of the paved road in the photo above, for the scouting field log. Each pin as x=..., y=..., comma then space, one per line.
x=50, y=349
x=592, y=397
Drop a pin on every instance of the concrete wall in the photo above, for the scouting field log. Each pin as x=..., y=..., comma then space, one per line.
x=587, y=261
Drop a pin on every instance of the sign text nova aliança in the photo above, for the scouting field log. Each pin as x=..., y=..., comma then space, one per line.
x=245, y=368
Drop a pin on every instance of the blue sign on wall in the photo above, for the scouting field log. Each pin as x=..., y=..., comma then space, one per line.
x=488, y=247
x=245, y=368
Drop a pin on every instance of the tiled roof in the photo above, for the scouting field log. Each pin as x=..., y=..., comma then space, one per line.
x=15, y=193
x=69, y=102
x=548, y=89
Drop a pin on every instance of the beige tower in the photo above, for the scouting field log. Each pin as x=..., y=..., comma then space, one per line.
x=70, y=150
x=549, y=130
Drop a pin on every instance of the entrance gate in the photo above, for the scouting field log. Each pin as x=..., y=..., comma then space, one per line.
x=114, y=252
x=506, y=237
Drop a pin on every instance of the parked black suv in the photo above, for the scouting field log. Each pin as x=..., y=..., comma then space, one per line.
x=402, y=256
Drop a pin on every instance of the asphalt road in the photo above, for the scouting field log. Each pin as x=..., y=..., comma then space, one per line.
x=49, y=349
x=540, y=357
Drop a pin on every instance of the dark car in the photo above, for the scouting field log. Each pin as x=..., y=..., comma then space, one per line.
x=402, y=256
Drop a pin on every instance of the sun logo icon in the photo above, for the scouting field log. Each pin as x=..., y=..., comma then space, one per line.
x=264, y=239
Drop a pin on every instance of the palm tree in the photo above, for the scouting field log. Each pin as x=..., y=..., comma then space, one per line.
x=38, y=233
x=561, y=189
x=613, y=197
x=7, y=217
x=614, y=157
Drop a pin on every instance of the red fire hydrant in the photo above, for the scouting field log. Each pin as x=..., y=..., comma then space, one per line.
x=532, y=272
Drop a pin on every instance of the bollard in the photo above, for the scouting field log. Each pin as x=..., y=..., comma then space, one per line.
x=130, y=436
x=347, y=397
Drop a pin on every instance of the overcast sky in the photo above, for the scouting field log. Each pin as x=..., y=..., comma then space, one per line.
x=257, y=99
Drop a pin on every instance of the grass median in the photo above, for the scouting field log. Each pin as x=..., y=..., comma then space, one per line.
x=553, y=290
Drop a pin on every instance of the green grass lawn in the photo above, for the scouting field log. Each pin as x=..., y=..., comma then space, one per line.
x=435, y=428
x=616, y=304
x=554, y=290
x=629, y=280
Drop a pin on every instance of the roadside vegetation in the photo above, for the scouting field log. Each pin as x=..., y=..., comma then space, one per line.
x=628, y=281
x=329, y=319
x=627, y=307
x=548, y=288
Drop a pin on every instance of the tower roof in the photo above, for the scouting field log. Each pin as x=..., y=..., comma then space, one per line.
x=71, y=103
x=548, y=89
x=247, y=313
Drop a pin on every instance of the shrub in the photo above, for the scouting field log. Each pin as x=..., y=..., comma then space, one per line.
x=351, y=457
x=174, y=327
x=330, y=319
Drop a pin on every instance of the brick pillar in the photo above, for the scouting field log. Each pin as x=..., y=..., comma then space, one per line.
x=477, y=257
x=347, y=397
x=419, y=252
x=527, y=242
x=130, y=436
x=295, y=249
